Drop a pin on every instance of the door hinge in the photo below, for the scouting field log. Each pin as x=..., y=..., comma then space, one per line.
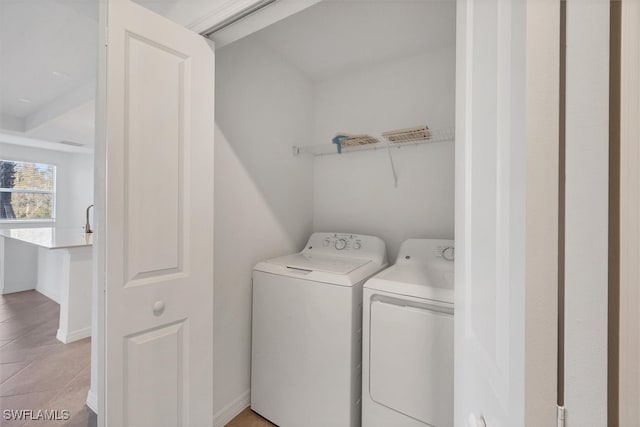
x=561, y=410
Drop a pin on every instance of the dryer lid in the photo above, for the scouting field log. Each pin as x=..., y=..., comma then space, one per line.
x=317, y=262
x=416, y=281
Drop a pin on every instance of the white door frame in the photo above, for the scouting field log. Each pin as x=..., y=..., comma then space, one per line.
x=629, y=332
x=96, y=397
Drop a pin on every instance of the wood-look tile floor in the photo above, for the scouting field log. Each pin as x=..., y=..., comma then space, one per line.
x=248, y=418
x=38, y=372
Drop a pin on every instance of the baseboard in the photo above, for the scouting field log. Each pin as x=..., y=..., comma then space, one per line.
x=46, y=292
x=232, y=410
x=67, y=337
x=14, y=287
x=92, y=401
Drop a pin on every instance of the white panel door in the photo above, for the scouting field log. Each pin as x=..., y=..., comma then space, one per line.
x=506, y=212
x=483, y=348
x=159, y=221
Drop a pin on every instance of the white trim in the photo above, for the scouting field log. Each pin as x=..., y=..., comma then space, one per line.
x=92, y=401
x=2, y=268
x=70, y=336
x=35, y=222
x=257, y=20
x=26, y=190
x=231, y=410
x=225, y=11
x=98, y=346
x=629, y=333
x=18, y=138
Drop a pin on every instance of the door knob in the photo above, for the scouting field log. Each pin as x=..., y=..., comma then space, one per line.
x=158, y=308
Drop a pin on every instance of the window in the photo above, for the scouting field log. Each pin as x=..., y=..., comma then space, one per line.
x=27, y=191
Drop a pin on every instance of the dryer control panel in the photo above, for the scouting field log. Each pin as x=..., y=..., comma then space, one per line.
x=348, y=245
x=432, y=252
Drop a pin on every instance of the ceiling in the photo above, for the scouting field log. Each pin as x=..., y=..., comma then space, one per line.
x=48, y=67
x=183, y=12
x=48, y=54
x=334, y=37
x=48, y=63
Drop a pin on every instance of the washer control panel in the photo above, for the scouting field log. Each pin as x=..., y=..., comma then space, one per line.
x=343, y=242
x=346, y=244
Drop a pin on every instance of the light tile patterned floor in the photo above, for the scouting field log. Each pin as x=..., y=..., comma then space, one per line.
x=38, y=372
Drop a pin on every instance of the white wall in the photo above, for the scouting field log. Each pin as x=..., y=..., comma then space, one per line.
x=81, y=184
x=263, y=201
x=267, y=201
x=355, y=192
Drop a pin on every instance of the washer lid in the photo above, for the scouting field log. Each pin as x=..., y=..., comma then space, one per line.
x=317, y=262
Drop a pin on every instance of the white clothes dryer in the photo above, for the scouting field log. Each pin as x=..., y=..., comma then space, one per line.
x=306, y=356
x=408, y=339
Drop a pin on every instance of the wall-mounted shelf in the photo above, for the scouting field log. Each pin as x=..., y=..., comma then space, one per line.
x=438, y=135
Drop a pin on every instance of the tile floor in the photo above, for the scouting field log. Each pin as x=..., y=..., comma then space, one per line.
x=248, y=418
x=36, y=370
x=39, y=372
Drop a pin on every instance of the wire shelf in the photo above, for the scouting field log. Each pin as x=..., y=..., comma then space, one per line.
x=438, y=135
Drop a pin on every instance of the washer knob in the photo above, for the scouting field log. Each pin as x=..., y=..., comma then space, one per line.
x=340, y=244
x=357, y=245
x=326, y=242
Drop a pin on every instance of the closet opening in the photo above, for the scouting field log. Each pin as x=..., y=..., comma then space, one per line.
x=337, y=119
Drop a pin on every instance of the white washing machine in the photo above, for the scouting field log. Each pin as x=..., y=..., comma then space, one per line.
x=408, y=339
x=307, y=331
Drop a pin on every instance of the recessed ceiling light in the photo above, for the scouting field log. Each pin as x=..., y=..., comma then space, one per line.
x=60, y=74
x=25, y=100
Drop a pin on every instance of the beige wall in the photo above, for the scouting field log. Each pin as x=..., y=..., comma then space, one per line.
x=542, y=133
x=586, y=212
x=629, y=386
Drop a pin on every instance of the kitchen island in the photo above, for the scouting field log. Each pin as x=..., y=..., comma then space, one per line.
x=64, y=273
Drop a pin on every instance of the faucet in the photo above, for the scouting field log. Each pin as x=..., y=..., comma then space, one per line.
x=87, y=226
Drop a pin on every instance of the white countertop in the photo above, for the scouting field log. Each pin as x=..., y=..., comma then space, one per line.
x=50, y=237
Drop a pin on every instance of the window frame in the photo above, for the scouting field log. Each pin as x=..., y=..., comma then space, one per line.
x=53, y=192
